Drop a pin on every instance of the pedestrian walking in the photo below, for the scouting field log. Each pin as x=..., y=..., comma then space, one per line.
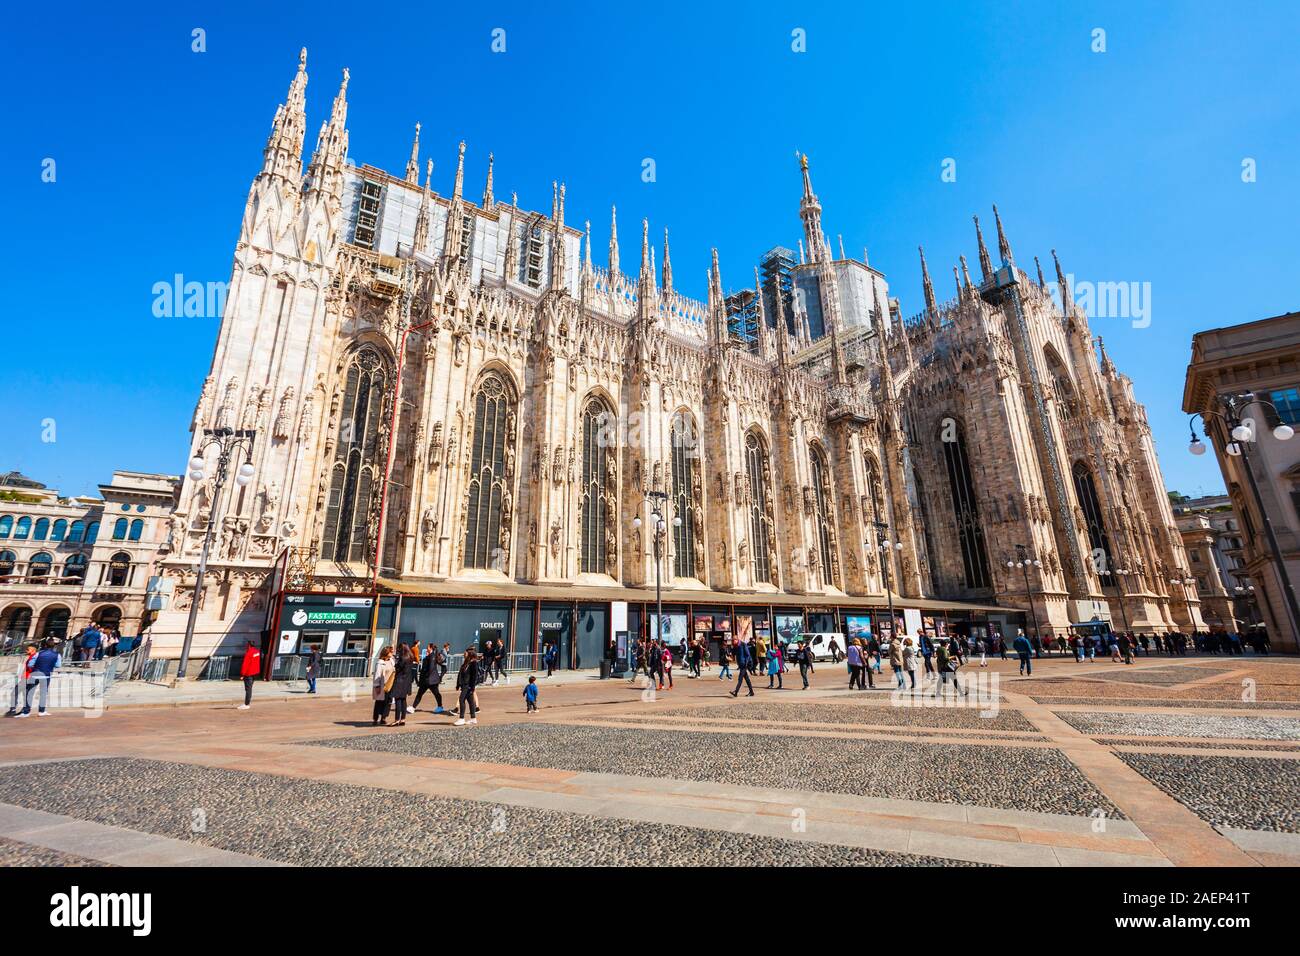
x=909, y=661
x=1024, y=651
x=744, y=661
x=927, y=653
x=836, y=654
x=667, y=657
x=774, y=669
x=381, y=685
x=804, y=657
x=551, y=654
x=313, y=668
x=530, y=695
x=948, y=663
x=432, y=670
x=403, y=676
x=467, y=679
x=896, y=663
x=982, y=649
x=250, y=669
x=724, y=660
x=22, y=683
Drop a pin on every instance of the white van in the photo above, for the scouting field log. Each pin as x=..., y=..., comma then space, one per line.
x=821, y=644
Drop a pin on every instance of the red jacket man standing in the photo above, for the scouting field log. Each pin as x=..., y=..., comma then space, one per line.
x=250, y=670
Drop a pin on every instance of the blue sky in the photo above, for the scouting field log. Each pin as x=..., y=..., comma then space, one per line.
x=1128, y=162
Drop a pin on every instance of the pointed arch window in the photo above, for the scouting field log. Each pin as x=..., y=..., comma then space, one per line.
x=821, y=476
x=599, y=498
x=688, y=536
x=761, y=532
x=489, y=517
x=1086, y=491
x=970, y=529
x=354, y=474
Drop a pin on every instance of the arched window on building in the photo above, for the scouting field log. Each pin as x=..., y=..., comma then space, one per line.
x=970, y=529
x=42, y=529
x=137, y=529
x=74, y=569
x=490, y=516
x=76, y=532
x=60, y=530
x=92, y=532
x=1067, y=404
x=23, y=529
x=38, y=568
x=1086, y=491
x=355, y=473
x=119, y=529
x=119, y=570
x=6, y=525
x=15, y=622
x=688, y=535
x=821, y=476
x=55, y=623
x=108, y=617
x=598, y=504
x=761, y=532
x=8, y=561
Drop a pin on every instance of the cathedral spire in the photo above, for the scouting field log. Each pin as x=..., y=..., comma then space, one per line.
x=926, y=285
x=646, y=280
x=957, y=281
x=558, y=263
x=422, y=217
x=413, y=164
x=613, y=241
x=668, y=265
x=1042, y=283
x=586, y=256
x=1067, y=301
x=458, y=190
x=778, y=322
x=965, y=273
x=810, y=211
x=489, y=201
x=326, y=170
x=986, y=265
x=763, y=341
x=283, y=154
x=717, y=307
x=1004, y=247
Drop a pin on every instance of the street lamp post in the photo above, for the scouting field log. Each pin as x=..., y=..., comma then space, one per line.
x=656, y=500
x=1023, y=561
x=887, y=549
x=1241, y=435
x=226, y=441
x=1123, y=573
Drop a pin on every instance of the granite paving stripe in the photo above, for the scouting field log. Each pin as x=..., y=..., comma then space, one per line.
x=1022, y=778
x=860, y=731
x=1146, y=702
x=309, y=823
x=1140, y=743
x=1248, y=793
x=1194, y=726
x=954, y=718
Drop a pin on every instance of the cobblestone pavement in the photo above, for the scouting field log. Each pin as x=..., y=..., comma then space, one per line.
x=1253, y=793
x=601, y=778
x=1184, y=725
x=308, y=823
x=17, y=853
x=1003, y=777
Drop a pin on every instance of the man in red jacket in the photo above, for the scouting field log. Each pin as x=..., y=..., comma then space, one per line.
x=250, y=670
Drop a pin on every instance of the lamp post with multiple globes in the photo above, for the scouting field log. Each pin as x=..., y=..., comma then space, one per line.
x=656, y=500
x=1024, y=561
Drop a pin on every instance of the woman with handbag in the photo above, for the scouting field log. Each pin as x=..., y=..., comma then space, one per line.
x=381, y=688
x=403, y=674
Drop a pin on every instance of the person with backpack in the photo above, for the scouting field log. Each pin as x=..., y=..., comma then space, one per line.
x=432, y=669
x=804, y=658
x=250, y=669
x=551, y=656
x=42, y=668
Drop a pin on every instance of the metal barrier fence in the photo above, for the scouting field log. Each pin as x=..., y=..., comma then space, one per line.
x=332, y=666
x=216, y=668
x=154, y=670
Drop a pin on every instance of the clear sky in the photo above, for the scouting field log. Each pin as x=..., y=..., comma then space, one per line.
x=1129, y=162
